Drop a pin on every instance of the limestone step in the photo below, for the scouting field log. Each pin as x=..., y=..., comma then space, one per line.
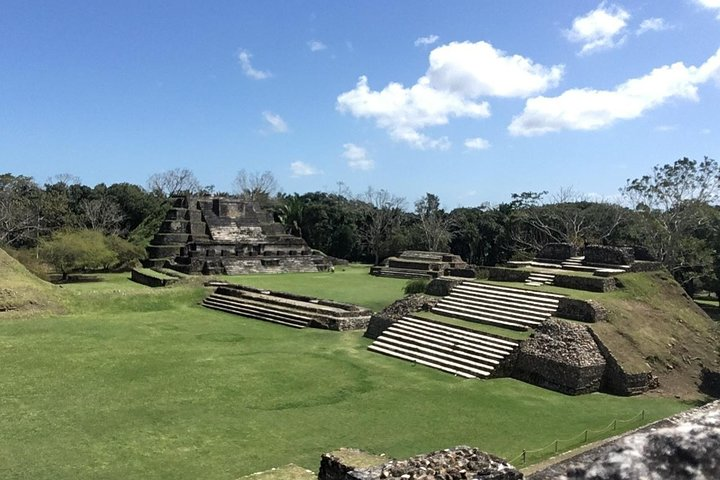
x=522, y=326
x=523, y=298
x=413, y=352
x=240, y=311
x=255, y=311
x=436, y=337
x=279, y=309
x=542, y=275
x=460, y=332
x=394, y=353
x=534, y=284
x=503, y=302
x=492, y=310
x=513, y=291
x=441, y=352
x=579, y=267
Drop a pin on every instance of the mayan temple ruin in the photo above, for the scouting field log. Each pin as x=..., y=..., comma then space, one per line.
x=217, y=235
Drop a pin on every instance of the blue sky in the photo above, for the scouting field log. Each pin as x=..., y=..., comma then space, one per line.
x=470, y=100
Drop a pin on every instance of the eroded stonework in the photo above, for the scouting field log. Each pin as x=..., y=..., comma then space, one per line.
x=228, y=236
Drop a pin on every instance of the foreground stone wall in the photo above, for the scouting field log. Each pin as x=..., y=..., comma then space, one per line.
x=682, y=447
x=561, y=356
x=459, y=463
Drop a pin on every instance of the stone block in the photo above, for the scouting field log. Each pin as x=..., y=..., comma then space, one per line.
x=581, y=310
x=558, y=251
x=608, y=255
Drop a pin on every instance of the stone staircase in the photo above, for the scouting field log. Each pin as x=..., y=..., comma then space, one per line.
x=540, y=278
x=452, y=349
x=504, y=307
x=287, y=309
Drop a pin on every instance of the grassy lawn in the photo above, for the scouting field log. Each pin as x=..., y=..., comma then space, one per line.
x=137, y=382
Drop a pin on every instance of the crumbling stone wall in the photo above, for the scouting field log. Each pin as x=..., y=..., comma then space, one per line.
x=609, y=255
x=561, y=356
x=710, y=382
x=502, y=274
x=442, y=286
x=396, y=310
x=581, y=310
x=590, y=284
x=459, y=463
x=558, y=251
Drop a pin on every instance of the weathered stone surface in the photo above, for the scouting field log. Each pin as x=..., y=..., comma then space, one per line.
x=336, y=465
x=608, y=255
x=558, y=251
x=646, y=266
x=421, y=264
x=502, y=274
x=398, y=309
x=561, y=356
x=459, y=463
x=683, y=447
x=228, y=236
x=710, y=382
x=441, y=287
x=582, y=310
x=591, y=284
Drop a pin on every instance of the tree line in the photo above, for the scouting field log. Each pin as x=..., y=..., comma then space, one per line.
x=672, y=212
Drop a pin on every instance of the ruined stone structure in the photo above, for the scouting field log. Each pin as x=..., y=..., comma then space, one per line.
x=418, y=264
x=459, y=463
x=232, y=236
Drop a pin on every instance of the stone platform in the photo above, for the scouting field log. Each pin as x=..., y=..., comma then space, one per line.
x=419, y=264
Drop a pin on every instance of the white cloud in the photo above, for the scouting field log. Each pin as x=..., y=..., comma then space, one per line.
x=710, y=5
x=302, y=169
x=652, y=25
x=244, y=58
x=357, y=157
x=666, y=128
x=599, y=29
x=276, y=122
x=458, y=74
x=316, y=46
x=589, y=109
x=477, y=143
x=429, y=40
x=477, y=69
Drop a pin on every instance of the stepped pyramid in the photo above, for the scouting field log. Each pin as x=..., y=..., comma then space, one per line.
x=216, y=235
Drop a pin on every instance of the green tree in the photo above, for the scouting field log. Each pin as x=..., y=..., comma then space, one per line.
x=434, y=223
x=71, y=251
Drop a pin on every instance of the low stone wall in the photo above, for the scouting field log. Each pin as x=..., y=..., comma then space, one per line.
x=558, y=251
x=608, y=255
x=502, y=274
x=149, y=280
x=442, y=286
x=590, y=284
x=619, y=382
x=396, y=310
x=581, y=310
x=561, y=356
x=338, y=464
x=646, y=266
x=378, y=324
x=460, y=272
x=457, y=463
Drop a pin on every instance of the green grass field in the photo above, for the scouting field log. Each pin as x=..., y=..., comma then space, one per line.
x=137, y=382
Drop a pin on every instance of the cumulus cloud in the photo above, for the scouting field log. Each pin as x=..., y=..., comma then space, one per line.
x=244, y=58
x=710, y=5
x=302, y=169
x=599, y=29
x=652, y=25
x=458, y=74
x=357, y=157
x=429, y=40
x=276, y=122
x=590, y=109
x=479, y=69
x=477, y=143
x=316, y=46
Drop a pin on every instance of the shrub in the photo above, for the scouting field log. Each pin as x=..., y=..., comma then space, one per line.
x=416, y=286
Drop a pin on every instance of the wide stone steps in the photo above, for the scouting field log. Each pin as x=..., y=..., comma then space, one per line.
x=504, y=307
x=260, y=311
x=445, y=347
x=539, y=278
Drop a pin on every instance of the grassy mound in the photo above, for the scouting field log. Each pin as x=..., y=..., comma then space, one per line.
x=21, y=292
x=654, y=323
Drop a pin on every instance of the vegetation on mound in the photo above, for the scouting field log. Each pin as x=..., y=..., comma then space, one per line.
x=653, y=322
x=21, y=292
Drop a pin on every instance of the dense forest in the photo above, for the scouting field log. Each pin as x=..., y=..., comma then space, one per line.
x=672, y=212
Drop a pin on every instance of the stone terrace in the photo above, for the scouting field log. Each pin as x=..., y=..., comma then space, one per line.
x=287, y=309
x=418, y=264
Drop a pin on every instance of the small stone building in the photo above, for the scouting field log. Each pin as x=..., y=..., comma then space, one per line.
x=217, y=235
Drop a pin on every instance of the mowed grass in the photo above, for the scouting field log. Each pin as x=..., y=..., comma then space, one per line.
x=145, y=383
